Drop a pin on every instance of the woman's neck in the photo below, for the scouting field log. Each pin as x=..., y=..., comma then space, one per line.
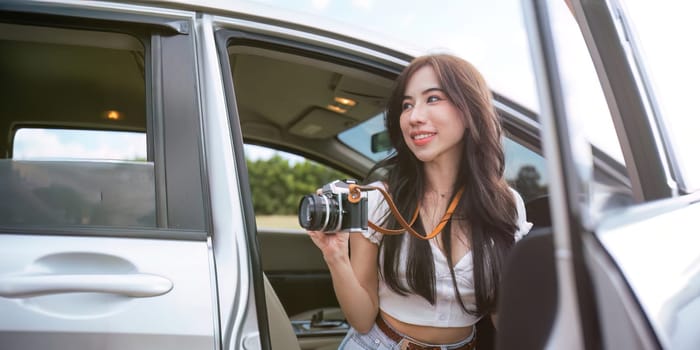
x=440, y=178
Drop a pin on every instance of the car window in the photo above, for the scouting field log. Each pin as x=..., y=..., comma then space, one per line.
x=73, y=135
x=666, y=34
x=278, y=180
x=368, y=138
x=526, y=171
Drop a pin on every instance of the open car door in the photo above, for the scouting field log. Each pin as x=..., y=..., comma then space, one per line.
x=608, y=274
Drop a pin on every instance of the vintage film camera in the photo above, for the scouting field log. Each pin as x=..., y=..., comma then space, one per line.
x=335, y=209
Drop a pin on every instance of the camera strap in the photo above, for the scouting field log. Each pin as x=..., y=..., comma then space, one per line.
x=355, y=195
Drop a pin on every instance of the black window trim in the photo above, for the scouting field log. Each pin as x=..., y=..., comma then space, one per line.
x=19, y=10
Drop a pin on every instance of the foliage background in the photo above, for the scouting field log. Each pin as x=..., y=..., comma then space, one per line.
x=278, y=184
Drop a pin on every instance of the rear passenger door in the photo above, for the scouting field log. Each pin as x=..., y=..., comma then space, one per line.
x=103, y=241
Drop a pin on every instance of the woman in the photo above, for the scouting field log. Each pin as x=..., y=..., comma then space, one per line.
x=405, y=291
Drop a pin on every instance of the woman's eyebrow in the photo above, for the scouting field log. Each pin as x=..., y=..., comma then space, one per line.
x=433, y=89
x=425, y=92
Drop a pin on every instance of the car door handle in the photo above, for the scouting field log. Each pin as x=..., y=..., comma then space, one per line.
x=131, y=285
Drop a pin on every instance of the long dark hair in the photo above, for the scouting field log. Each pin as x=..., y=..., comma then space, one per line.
x=487, y=209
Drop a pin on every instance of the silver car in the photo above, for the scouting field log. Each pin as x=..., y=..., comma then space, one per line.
x=131, y=211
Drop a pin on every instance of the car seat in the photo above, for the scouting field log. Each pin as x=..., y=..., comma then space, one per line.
x=282, y=336
x=528, y=299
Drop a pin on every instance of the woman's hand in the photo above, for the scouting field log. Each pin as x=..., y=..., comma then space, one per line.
x=334, y=246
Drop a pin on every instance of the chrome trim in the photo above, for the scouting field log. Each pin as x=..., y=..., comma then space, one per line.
x=115, y=7
x=665, y=147
x=237, y=316
x=328, y=210
x=340, y=213
x=214, y=292
x=567, y=332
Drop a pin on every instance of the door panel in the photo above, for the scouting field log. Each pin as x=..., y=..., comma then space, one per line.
x=662, y=271
x=108, y=293
x=598, y=304
x=296, y=270
x=300, y=278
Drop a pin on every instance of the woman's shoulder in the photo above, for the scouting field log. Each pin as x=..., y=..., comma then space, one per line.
x=376, y=209
x=523, y=225
x=516, y=195
x=378, y=183
x=375, y=198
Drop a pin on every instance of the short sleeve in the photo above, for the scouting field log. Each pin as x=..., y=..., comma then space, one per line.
x=376, y=211
x=523, y=225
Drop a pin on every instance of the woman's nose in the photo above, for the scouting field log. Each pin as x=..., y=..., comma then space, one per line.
x=418, y=114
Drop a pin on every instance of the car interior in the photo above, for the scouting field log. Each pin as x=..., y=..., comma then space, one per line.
x=299, y=104
x=307, y=119
x=287, y=99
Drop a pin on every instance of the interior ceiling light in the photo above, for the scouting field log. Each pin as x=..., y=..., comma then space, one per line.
x=337, y=109
x=345, y=101
x=113, y=115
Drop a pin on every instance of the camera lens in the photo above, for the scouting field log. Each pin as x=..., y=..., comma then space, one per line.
x=318, y=213
x=311, y=210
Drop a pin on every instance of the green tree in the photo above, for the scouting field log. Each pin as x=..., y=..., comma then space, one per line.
x=277, y=186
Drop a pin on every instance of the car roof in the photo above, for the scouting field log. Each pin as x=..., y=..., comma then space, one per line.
x=276, y=15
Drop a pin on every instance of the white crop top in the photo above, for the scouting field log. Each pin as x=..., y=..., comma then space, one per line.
x=415, y=309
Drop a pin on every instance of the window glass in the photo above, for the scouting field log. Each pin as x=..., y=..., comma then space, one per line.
x=368, y=138
x=526, y=171
x=278, y=180
x=39, y=143
x=666, y=33
x=584, y=99
x=73, y=147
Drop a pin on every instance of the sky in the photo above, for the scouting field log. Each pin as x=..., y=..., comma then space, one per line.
x=31, y=143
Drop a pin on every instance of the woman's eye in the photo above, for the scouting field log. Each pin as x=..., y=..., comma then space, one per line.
x=433, y=99
x=406, y=106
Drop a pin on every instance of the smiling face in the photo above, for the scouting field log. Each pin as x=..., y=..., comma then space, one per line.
x=432, y=126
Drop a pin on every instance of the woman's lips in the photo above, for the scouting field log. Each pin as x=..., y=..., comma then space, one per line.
x=422, y=138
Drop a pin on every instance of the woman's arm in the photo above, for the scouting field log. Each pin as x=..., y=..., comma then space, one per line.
x=354, y=279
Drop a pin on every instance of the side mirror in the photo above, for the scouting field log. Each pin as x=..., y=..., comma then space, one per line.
x=381, y=142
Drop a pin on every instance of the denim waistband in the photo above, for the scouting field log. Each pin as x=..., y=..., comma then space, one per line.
x=398, y=337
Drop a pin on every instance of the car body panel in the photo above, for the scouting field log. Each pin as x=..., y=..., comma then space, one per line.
x=93, y=281
x=92, y=312
x=667, y=288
